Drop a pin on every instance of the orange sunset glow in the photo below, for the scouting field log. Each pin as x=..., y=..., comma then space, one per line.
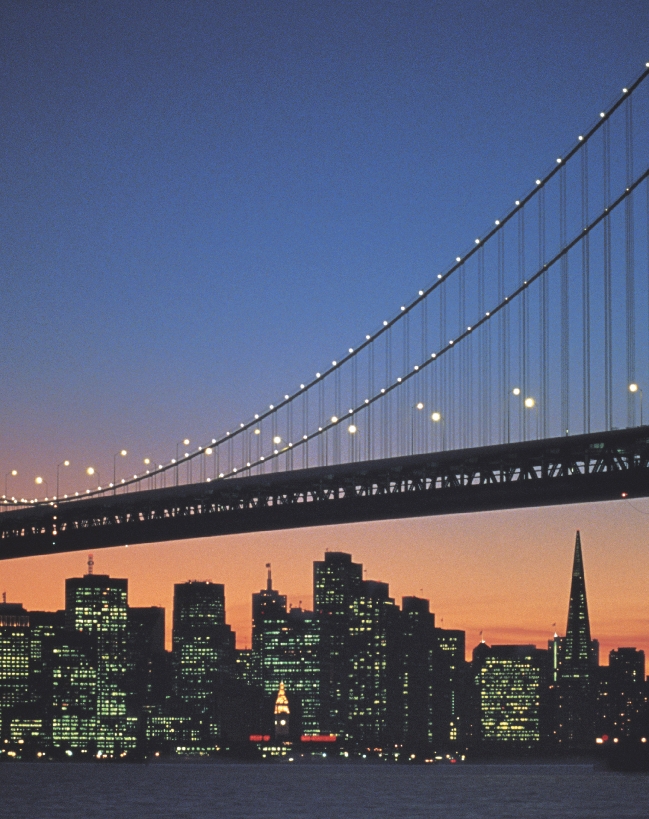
x=506, y=574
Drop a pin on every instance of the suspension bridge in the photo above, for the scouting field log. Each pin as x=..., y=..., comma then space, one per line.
x=514, y=379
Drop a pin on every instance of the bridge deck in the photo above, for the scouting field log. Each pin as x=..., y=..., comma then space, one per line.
x=595, y=467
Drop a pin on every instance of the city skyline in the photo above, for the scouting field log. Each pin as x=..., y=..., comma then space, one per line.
x=203, y=207
x=555, y=585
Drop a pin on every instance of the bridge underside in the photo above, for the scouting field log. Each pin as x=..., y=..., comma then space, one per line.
x=585, y=468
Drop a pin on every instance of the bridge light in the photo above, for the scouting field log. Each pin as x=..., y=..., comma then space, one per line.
x=257, y=431
x=402, y=307
x=439, y=275
x=559, y=159
x=277, y=439
x=497, y=221
x=419, y=405
x=538, y=181
x=352, y=428
x=477, y=241
x=317, y=375
x=334, y=419
x=38, y=480
x=633, y=388
x=124, y=453
x=433, y=355
x=90, y=471
x=581, y=138
x=517, y=202
x=516, y=391
x=286, y=397
x=457, y=259
x=421, y=292
x=529, y=403
x=436, y=416
x=351, y=349
x=147, y=460
x=301, y=387
x=367, y=337
x=333, y=363
x=208, y=450
x=385, y=324
x=602, y=114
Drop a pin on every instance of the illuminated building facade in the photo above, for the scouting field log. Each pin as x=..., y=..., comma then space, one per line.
x=14, y=661
x=337, y=582
x=374, y=716
x=96, y=607
x=282, y=714
x=286, y=651
x=203, y=654
x=510, y=682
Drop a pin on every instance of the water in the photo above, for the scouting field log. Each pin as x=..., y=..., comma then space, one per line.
x=318, y=791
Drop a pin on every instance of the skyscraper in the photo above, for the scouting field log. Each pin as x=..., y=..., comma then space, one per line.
x=575, y=727
x=96, y=607
x=14, y=661
x=203, y=645
x=510, y=683
x=286, y=652
x=336, y=585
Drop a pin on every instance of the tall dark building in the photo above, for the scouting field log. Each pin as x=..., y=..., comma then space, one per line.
x=203, y=645
x=375, y=696
x=622, y=696
x=418, y=653
x=286, y=655
x=575, y=727
x=337, y=584
x=450, y=690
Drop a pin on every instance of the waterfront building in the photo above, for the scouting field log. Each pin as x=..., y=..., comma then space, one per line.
x=509, y=686
x=287, y=652
x=418, y=690
x=282, y=714
x=450, y=691
x=96, y=607
x=203, y=652
x=622, y=696
x=14, y=662
x=337, y=582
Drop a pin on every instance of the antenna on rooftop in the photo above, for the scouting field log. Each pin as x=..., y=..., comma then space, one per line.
x=91, y=563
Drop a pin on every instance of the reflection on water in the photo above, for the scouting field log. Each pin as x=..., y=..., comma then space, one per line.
x=318, y=791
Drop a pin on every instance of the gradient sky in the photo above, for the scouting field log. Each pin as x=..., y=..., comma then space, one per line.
x=205, y=202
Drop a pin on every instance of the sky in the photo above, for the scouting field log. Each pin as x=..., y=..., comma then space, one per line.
x=206, y=202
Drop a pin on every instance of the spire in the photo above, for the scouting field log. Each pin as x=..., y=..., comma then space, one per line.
x=578, y=646
x=269, y=582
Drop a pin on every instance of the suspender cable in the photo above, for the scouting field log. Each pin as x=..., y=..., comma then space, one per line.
x=523, y=308
x=608, y=327
x=543, y=323
x=585, y=292
x=630, y=268
x=565, y=310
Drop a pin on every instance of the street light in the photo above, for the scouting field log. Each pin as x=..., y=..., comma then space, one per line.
x=92, y=471
x=40, y=481
x=635, y=388
x=58, y=467
x=11, y=474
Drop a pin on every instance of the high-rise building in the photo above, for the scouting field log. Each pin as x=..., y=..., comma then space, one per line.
x=203, y=645
x=375, y=693
x=14, y=662
x=575, y=701
x=510, y=683
x=147, y=678
x=450, y=690
x=622, y=696
x=337, y=583
x=96, y=606
x=418, y=652
x=286, y=651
